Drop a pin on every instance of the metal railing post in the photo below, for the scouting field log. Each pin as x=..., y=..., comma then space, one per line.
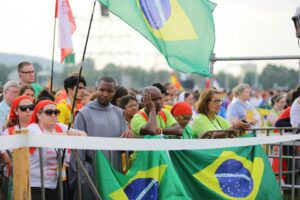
x=60, y=167
x=293, y=170
x=89, y=180
x=111, y=158
x=42, y=173
x=280, y=160
x=78, y=182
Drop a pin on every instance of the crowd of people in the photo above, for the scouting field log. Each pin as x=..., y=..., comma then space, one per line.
x=111, y=110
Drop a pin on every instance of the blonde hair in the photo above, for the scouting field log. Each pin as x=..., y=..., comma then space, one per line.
x=237, y=90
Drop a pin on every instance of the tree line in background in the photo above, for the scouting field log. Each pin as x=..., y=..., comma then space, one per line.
x=272, y=76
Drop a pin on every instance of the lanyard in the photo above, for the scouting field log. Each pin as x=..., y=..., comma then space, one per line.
x=214, y=124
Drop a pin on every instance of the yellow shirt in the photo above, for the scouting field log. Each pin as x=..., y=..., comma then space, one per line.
x=65, y=112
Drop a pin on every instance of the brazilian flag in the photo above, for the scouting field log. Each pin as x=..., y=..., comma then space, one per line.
x=151, y=177
x=182, y=30
x=231, y=173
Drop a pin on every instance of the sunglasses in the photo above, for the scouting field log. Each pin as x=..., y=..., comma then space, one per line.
x=50, y=112
x=24, y=108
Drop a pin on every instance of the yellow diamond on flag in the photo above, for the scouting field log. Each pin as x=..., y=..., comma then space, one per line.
x=167, y=20
x=232, y=176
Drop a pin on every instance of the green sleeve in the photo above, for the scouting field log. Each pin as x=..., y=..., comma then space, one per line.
x=37, y=89
x=199, y=126
x=170, y=119
x=224, y=123
x=137, y=123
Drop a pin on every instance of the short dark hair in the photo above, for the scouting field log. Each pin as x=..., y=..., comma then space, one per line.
x=161, y=88
x=125, y=99
x=107, y=79
x=45, y=94
x=120, y=92
x=22, y=64
x=71, y=82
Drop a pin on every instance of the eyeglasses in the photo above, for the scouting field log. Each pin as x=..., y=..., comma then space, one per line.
x=24, y=108
x=27, y=72
x=217, y=101
x=50, y=112
x=132, y=106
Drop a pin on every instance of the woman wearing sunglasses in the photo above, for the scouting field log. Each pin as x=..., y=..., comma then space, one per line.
x=208, y=106
x=19, y=117
x=44, y=121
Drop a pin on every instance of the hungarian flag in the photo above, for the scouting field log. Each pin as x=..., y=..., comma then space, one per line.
x=183, y=31
x=66, y=26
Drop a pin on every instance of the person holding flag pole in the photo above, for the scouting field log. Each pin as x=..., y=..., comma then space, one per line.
x=67, y=26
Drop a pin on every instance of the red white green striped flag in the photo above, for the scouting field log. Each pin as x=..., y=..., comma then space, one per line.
x=66, y=27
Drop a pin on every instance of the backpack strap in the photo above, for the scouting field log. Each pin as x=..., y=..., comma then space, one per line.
x=143, y=114
x=161, y=113
x=58, y=129
x=163, y=116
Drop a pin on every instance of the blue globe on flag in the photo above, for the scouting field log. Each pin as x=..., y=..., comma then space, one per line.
x=156, y=12
x=234, y=179
x=142, y=188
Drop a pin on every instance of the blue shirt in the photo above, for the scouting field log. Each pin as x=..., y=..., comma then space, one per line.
x=4, y=111
x=238, y=110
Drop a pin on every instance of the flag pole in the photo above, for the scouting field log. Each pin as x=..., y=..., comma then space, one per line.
x=53, y=49
x=79, y=74
x=82, y=62
x=75, y=97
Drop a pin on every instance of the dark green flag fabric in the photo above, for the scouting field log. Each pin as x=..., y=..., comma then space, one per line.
x=152, y=176
x=182, y=30
x=238, y=173
x=231, y=173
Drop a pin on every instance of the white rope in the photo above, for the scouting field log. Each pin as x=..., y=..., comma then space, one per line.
x=101, y=143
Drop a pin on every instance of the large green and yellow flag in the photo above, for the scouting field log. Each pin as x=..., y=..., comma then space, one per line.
x=182, y=30
x=231, y=173
x=151, y=177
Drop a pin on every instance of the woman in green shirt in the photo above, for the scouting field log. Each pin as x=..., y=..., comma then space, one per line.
x=277, y=102
x=182, y=112
x=208, y=106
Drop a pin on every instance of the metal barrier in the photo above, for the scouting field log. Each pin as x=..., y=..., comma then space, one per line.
x=287, y=151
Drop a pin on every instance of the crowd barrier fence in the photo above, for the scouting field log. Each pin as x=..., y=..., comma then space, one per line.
x=285, y=140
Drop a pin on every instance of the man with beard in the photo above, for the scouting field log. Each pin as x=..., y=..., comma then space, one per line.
x=99, y=118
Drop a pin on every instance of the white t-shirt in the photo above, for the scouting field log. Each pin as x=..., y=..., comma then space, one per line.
x=49, y=160
x=295, y=113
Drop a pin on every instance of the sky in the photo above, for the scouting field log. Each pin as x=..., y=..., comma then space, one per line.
x=243, y=28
